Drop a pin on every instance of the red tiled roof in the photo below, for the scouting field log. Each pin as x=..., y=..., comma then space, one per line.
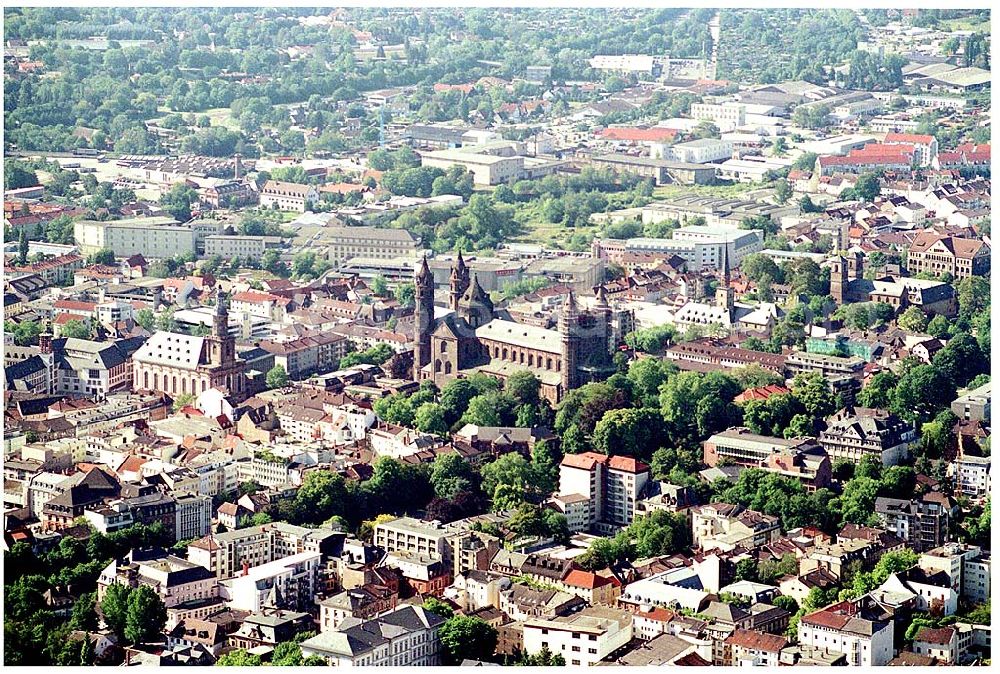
x=939, y=636
x=639, y=133
x=75, y=305
x=585, y=579
x=882, y=149
x=256, y=296
x=761, y=393
x=962, y=248
x=132, y=464
x=586, y=460
x=758, y=641
x=464, y=88
x=627, y=464
x=973, y=152
x=52, y=263
x=658, y=613
x=825, y=618
x=342, y=188
x=916, y=138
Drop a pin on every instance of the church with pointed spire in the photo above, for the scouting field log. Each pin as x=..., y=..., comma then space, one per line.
x=469, y=334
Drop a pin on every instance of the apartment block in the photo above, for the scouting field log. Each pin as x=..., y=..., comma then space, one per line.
x=857, y=628
x=231, y=245
x=598, y=492
x=154, y=237
x=412, y=535
x=584, y=638
x=346, y=243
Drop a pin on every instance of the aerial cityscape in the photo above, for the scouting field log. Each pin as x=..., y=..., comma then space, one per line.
x=496, y=336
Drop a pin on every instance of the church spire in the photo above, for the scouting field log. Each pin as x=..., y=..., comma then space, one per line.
x=424, y=272
x=602, y=296
x=220, y=318
x=458, y=283
x=725, y=264
x=423, y=317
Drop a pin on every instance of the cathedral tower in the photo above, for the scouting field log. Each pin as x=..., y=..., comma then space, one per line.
x=458, y=283
x=838, y=279
x=222, y=346
x=603, y=310
x=725, y=297
x=475, y=307
x=423, y=318
x=570, y=342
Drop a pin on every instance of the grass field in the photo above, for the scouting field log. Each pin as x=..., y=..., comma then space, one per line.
x=217, y=116
x=966, y=23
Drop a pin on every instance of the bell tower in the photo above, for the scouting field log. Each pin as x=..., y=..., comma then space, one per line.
x=725, y=297
x=458, y=283
x=223, y=345
x=570, y=341
x=423, y=315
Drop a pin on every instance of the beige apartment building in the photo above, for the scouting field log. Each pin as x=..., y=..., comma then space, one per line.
x=346, y=243
x=486, y=169
x=154, y=237
x=229, y=245
x=287, y=196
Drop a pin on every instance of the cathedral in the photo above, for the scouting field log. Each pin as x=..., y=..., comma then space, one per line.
x=179, y=364
x=471, y=335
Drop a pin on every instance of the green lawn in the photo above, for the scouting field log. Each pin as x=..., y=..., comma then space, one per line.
x=966, y=23
x=218, y=116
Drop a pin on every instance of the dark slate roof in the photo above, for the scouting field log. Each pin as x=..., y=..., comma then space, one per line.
x=23, y=369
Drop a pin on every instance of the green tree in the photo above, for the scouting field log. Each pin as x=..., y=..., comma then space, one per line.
x=16, y=176
x=178, y=201
x=287, y=654
x=634, y=432
x=451, y=475
x=543, y=658
x=146, y=318
x=115, y=608
x=465, y=637
x=435, y=605
x=913, y=320
x=239, y=658
x=813, y=392
x=545, y=461
x=75, y=330
x=104, y=256
x=938, y=327
x=429, y=418
x=646, y=376
x=22, y=246
x=877, y=394
x=973, y=295
x=84, y=615
x=961, y=359
x=86, y=651
x=277, y=377
x=525, y=387
x=321, y=496
x=146, y=615
x=858, y=501
x=782, y=191
x=396, y=408
x=921, y=392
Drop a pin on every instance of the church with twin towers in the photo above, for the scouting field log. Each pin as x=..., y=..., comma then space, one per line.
x=471, y=335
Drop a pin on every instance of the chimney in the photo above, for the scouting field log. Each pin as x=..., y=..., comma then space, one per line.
x=246, y=568
x=45, y=342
